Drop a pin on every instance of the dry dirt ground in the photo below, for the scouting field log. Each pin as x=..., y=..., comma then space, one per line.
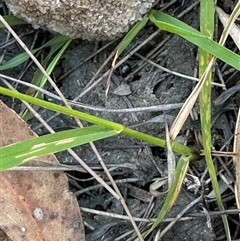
x=135, y=165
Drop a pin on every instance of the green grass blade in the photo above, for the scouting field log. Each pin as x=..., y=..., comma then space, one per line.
x=132, y=34
x=177, y=147
x=12, y=20
x=173, y=193
x=54, y=62
x=39, y=78
x=129, y=37
x=173, y=25
x=17, y=153
x=207, y=28
x=19, y=59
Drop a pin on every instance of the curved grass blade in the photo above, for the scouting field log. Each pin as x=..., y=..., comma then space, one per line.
x=17, y=153
x=131, y=34
x=39, y=78
x=173, y=25
x=124, y=43
x=19, y=59
x=173, y=193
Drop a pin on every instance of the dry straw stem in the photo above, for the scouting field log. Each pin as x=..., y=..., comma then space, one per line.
x=236, y=159
x=234, y=31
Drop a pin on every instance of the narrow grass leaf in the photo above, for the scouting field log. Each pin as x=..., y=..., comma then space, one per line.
x=207, y=28
x=19, y=59
x=173, y=193
x=17, y=153
x=173, y=25
x=39, y=78
x=130, y=36
x=124, y=43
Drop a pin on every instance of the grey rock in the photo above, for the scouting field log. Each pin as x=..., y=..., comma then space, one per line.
x=86, y=19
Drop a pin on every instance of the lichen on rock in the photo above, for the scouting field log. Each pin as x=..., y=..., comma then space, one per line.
x=86, y=19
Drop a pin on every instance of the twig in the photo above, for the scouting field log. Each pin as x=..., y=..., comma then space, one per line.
x=153, y=108
x=180, y=215
x=124, y=217
x=174, y=72
x=126, y=180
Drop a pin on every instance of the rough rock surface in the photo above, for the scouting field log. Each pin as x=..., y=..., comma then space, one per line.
x=86, y=19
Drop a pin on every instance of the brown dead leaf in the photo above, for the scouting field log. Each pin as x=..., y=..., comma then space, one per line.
x=35, y=205
x=236, y=159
